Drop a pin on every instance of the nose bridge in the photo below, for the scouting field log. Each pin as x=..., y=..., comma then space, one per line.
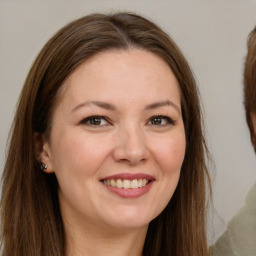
x=131, y=144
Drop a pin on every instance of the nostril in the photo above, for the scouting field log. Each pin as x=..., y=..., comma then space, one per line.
x=130, y=146
x=132, y=157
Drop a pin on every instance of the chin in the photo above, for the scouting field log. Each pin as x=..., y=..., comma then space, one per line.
x=130, y=224
x=131, y=219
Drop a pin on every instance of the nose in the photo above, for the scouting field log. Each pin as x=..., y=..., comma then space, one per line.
x=131, y=146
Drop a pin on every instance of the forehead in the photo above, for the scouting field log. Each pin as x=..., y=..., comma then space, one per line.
x=123, y=72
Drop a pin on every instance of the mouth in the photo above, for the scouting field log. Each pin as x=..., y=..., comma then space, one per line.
x=126, y=184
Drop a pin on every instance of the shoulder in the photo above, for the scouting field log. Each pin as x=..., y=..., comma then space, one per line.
x=240, y=235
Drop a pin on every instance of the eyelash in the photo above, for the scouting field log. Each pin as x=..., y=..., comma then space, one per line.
x=89, y=120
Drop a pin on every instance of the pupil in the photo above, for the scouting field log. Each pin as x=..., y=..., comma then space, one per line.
x=157, y=121
x=95, y=121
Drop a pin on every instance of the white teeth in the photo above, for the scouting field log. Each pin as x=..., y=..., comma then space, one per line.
x=119, y=183
x=134, y=184
x=126, y=184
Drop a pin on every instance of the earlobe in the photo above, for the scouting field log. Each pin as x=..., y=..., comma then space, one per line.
x=42, y=153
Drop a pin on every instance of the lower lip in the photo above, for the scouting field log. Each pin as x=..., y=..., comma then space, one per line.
x=130, y=193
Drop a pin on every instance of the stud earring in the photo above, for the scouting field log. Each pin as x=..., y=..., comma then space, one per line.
x=43, y=167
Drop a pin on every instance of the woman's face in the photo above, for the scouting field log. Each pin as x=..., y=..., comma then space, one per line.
x=117, y=141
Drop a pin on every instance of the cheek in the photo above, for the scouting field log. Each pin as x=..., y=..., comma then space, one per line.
x=77, y=153
x=170, y=153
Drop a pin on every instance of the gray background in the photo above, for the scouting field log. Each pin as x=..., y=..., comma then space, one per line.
x=212, y=35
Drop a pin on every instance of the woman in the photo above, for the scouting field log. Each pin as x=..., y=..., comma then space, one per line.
x=107, y=152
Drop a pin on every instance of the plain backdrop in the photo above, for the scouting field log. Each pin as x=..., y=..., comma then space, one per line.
x=211, y=34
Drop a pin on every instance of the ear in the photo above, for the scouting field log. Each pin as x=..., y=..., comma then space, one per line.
x=43, y=152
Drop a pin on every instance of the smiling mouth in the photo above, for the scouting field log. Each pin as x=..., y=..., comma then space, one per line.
x=126, y=184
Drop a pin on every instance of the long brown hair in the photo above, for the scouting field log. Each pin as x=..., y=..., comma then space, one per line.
x=31, y=218
x=250, y=84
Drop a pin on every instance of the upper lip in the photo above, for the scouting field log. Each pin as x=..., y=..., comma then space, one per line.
x=129, y=176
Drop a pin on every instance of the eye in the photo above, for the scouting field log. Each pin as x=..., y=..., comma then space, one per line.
x=160, y=120
x=95, y=121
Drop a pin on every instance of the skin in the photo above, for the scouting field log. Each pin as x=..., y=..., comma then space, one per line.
x=128, y=89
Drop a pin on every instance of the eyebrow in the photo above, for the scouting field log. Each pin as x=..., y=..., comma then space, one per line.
x=111, y=107
x=100, y=104
x=162, y=104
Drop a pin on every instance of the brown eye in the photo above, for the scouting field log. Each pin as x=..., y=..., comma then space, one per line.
x=95, y=121
x=160, y=120
x=156, y=121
